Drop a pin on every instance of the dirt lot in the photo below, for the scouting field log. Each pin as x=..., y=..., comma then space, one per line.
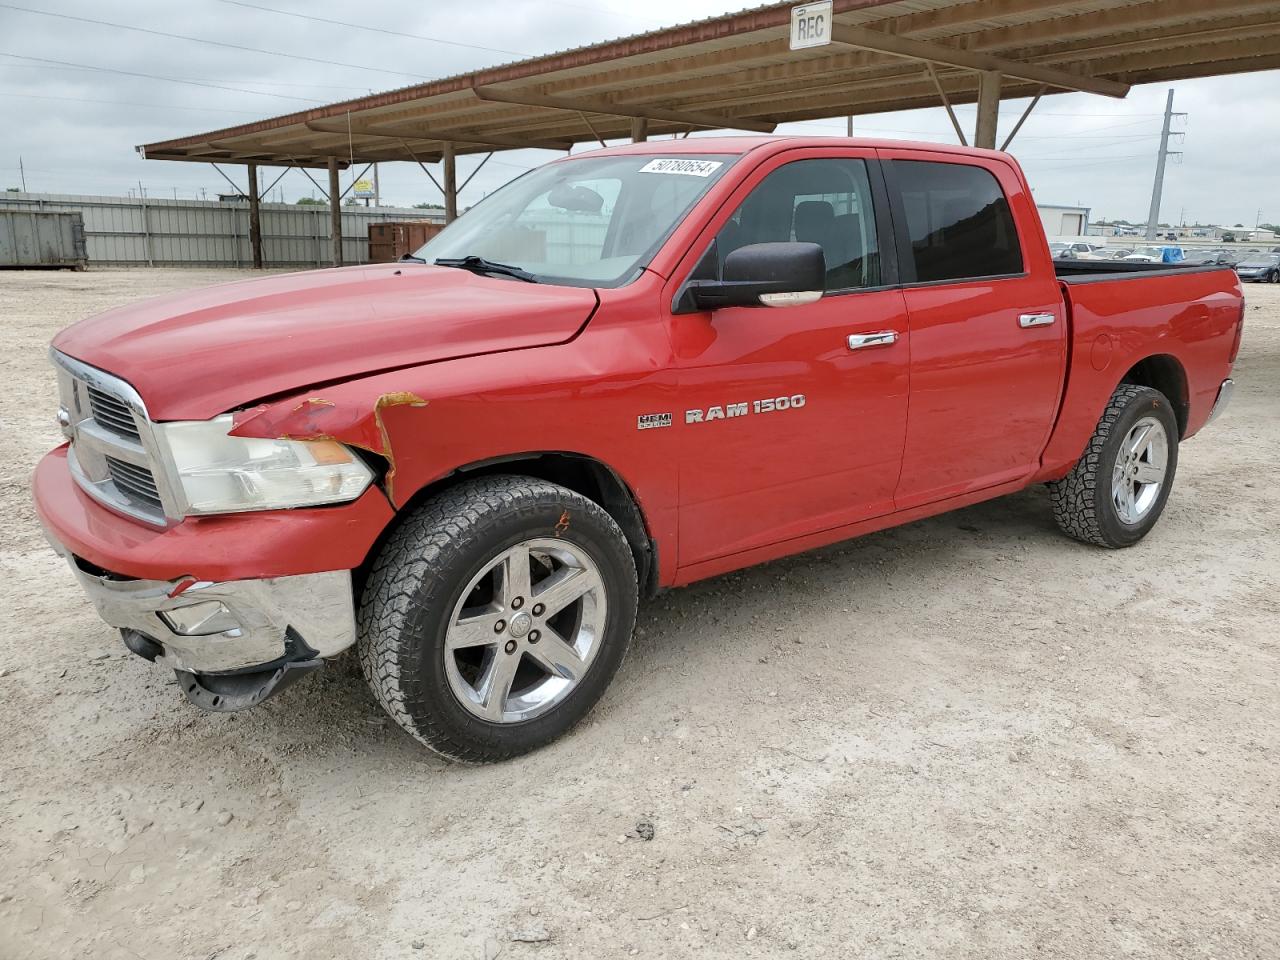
x=969, y=737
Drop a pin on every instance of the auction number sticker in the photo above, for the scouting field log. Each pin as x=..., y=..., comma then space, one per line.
x=688, y=168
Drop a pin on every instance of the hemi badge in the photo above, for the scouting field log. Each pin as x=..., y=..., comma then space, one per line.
x=651, y=421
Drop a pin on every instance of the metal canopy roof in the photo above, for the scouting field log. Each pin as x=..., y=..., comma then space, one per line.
x=738, y=72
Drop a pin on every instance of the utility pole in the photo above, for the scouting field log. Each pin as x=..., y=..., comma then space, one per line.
x=1153, y=218
x=22, y=173
x=848, y=128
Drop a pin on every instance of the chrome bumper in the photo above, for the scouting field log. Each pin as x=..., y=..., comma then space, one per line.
x=270, y=616
x=1224, y=397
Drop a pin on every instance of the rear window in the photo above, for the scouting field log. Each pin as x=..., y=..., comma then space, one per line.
x=958, y=221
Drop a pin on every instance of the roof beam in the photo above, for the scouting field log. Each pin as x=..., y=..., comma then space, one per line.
x=1260, y=53
x=755, y=86
x=735, y=68
x=983, y=62
x=594, y=105
x=452, y=136
x=219, y=158
x=1152, y=15
x=1142, y=41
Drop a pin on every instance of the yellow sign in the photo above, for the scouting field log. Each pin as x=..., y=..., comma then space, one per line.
x=363, y=188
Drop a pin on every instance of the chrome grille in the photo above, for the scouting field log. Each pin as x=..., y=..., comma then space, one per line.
x=113, y=456
x=113, y=413
x=134, y=482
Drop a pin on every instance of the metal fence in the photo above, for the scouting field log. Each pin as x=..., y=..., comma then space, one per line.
x=126, y=231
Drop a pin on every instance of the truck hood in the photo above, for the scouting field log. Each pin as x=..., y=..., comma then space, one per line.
x=197, y=354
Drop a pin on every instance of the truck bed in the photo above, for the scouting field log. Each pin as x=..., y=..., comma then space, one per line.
x=1092, y=271
x=1183, y=319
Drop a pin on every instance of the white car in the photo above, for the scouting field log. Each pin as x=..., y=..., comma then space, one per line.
x=1078, y=250
x=1165, y=254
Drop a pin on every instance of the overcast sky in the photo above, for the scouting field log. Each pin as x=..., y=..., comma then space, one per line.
x=75, y=128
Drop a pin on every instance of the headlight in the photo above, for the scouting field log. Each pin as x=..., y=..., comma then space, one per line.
x=216, y=473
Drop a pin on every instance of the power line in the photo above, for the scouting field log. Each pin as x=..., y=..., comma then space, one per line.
x=262, y=83
x=598, y=8
x=215, y=43
x=361, y=26
x=126, y=103
x=152, y=76
x=1074, y=162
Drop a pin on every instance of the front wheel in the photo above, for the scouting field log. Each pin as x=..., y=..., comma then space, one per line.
x=1116, y=492
x=1274, y=277
x=495, y=616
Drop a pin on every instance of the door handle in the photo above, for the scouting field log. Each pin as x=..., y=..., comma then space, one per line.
x=1036, y=320
x=881, y=338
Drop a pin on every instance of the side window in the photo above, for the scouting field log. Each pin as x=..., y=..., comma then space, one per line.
x=827, y=202
x=958, y=221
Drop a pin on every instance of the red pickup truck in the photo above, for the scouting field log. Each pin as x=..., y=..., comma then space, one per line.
x=624, y=371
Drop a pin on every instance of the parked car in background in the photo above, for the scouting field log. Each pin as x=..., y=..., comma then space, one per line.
x=1089, y=251
x=472, y=464
x=1078, y=250
x=1157, y=255
x=1223, y=258
x=1260, y=268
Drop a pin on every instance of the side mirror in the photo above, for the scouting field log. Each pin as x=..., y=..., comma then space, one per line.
x=768, y=274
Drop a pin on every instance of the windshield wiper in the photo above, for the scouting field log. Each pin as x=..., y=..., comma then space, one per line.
x=410, y=258
x=481, y=265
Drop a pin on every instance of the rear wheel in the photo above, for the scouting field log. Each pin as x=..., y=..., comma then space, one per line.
x=496, y=615
x=1116, y=492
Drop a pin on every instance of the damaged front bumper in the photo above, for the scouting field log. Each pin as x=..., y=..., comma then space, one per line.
x=231, y=644
x=237, y=606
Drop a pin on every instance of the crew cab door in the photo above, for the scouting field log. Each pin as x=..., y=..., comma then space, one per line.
x=787, y=425
x=987, y=321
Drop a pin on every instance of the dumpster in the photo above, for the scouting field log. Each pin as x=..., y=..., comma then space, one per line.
x=31, y=238
x=391, y=241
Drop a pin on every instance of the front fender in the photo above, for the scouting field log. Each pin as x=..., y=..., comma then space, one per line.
x=427, y=422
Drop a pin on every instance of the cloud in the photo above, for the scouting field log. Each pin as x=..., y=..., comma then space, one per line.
x=75, y=128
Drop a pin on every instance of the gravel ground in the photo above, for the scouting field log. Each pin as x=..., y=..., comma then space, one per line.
x=967, y=737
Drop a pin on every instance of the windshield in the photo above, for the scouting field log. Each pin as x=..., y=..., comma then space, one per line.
x=594, y=221
x=1264, y=261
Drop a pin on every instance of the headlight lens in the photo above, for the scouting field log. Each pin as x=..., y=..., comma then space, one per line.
x=217, y=473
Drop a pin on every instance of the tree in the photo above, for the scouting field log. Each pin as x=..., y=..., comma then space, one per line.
x=1274, y=228
x=309, y=202
x=428, y=206
x=351, y=202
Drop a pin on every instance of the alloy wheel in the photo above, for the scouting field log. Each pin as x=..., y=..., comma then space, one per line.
x=525, y=630
x=1139, y=472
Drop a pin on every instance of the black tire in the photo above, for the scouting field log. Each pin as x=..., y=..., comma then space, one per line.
x=418, y=578
x=1082, y=501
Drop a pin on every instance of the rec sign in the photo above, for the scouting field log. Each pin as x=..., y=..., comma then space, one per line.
x=811, y=25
